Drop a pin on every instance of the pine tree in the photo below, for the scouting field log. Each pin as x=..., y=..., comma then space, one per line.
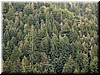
x=30, y=19
x=16, y=54
x=46, y=43
x=24, y=64
x=6, y=66
x=69, y=66
x=54, y=46
x=10, y=14
x=27, y=9
x=94, y=65
x=55, y=30
x=15, y=66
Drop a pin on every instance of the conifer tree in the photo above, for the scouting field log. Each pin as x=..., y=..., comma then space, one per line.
x=24, y=64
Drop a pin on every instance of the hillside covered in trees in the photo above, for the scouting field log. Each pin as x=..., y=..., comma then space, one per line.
x=50, y=37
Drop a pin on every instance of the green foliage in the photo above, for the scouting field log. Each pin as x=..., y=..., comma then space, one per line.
x=27, y=9
x=69, y=66
x=7, y=65
x=68, y=14
x=30, y=19
x=19, y=6
x=94, y=65
x=16, y=54
x=46, y=43
x=10, y=14
x=25, y=64
x=50, y=38
x=15, y=66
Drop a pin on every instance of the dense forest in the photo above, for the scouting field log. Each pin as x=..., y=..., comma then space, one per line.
x=50, y=37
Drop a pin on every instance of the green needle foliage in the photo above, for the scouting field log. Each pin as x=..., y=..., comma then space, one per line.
x=50, y=38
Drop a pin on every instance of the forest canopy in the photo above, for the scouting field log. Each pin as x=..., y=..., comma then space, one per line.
x=50, y=37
